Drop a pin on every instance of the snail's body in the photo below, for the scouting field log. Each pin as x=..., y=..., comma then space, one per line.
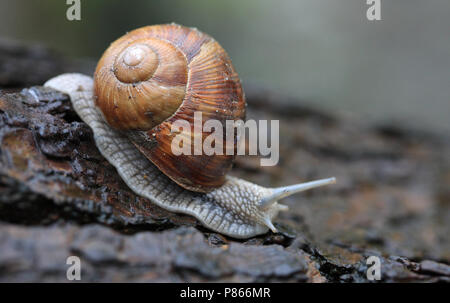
x=225, y=209
x=232, y=207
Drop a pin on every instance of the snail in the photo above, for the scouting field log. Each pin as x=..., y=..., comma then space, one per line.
x=145, y=81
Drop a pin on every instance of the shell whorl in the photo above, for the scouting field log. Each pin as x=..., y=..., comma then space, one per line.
x=140, y=81
x=156, y=75
x=135, y=63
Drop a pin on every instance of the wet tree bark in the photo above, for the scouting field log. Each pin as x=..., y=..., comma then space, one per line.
x=59, y=197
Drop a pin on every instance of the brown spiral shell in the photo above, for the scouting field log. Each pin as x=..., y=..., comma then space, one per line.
x=156, y=75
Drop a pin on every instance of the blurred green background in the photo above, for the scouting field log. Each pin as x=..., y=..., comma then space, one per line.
x=325, y=52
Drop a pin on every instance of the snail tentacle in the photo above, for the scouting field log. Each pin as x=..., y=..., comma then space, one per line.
x=286, y=191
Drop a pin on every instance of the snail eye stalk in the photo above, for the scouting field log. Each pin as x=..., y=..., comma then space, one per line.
x=286, y=191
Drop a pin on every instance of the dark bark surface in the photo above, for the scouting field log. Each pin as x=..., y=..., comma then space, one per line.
x=59, y=197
